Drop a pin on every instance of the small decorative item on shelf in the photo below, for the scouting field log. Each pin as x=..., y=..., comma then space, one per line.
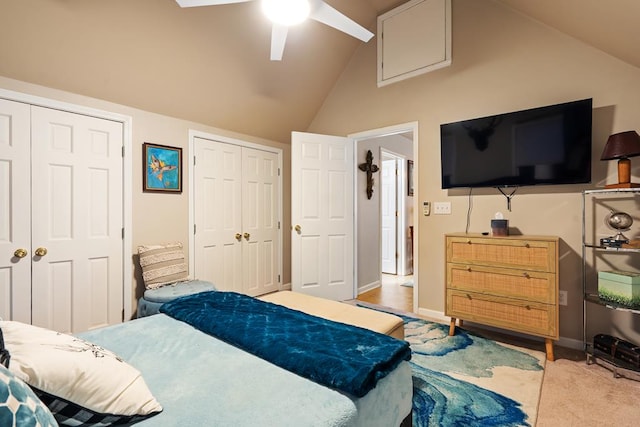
x=620, y=221
x=620, y=287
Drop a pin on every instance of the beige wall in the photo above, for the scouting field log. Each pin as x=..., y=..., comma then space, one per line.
x=502, y=61
x=158, y=218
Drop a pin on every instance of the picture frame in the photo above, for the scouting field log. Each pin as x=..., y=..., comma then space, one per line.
x=410, y=178
x=161, y=168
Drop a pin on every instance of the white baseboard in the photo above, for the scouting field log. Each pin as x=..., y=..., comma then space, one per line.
x=286, y=287
x=438, y=316
x=369, y=286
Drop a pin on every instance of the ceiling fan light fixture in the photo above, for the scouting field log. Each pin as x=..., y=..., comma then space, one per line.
x=286, y=12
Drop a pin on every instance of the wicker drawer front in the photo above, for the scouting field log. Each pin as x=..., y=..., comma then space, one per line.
x=527, y=285
x=516, y=315
x=516, y=253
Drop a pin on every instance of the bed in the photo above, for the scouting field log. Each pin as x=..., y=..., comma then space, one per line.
x=202, y=380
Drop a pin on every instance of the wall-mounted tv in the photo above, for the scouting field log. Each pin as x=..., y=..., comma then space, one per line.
x=541, y=146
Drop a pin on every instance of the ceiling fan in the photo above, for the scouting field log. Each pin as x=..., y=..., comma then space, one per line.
x=285, y=13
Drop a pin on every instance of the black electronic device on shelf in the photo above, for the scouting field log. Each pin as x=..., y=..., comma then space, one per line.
x=617, y=350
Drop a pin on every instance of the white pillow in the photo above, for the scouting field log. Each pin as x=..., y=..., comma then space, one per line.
x=162, y=265
x=76, y=370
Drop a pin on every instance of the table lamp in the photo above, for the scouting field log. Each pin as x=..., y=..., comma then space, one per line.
x=621, y=146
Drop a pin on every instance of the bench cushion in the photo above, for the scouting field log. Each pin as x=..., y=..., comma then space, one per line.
x=377, y=321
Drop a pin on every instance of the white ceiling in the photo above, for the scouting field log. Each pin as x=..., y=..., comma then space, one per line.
x=211, y=64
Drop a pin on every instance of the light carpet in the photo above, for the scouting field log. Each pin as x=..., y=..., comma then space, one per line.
x=468, y=380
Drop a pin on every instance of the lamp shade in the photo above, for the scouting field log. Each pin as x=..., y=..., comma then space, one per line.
x=621, y=146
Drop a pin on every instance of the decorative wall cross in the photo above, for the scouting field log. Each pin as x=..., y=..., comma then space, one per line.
x=370, y=169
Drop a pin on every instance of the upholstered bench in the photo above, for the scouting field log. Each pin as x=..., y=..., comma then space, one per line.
x=154, y=298
x=377, y=321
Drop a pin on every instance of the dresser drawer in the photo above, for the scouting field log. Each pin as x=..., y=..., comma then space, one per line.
x=521, y=284
x=524, y=254
x=516, y=315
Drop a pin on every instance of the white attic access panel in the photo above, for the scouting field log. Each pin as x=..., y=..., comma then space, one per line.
x=413, y=39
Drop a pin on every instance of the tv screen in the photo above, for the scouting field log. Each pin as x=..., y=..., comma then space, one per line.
x=540, y=146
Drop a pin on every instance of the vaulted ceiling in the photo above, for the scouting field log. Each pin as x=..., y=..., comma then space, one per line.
x=211, y=64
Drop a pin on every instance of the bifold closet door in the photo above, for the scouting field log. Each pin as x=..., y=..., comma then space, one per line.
x=77, y=220
x=62, y=218
x=260, y=196
x=218, y=214
x=15, y=212
x=236, y=196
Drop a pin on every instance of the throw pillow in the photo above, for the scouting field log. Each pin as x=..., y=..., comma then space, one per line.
x=19, y=406
x=77, y=371
x=162, y=265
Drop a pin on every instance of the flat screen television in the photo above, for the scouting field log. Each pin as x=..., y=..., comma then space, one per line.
x=540, y=146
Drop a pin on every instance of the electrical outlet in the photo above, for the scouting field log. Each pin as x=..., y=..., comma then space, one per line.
x=562, y=298
x=442, y=208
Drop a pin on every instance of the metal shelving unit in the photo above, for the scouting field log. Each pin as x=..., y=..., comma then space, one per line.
x=618, y=367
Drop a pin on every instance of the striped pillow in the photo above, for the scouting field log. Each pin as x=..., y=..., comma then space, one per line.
x=162, y=265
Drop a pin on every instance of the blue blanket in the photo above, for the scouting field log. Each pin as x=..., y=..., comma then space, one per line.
x=344, y=357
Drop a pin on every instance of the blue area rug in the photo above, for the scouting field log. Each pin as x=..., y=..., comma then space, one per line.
x=467, y=380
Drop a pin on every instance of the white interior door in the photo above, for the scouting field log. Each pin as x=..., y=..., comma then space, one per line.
x=389, y=216
x=15, y=206
x=260, y=225
x=77, y=220
x=322, y=209
x=218, y=214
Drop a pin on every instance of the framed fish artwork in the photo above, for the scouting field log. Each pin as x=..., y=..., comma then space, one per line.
x=162, y=168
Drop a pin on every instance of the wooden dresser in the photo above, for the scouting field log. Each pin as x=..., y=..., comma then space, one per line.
x=509, y=282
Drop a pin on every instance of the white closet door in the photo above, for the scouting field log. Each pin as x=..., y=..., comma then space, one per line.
x=218, y=214
x=77, y=218
x=260, y=195
x=15, y=221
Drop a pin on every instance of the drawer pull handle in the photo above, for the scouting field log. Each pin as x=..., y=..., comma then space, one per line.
x=468, y=296
x=526, y=245
x=469, y=269
x=468, y=241
x=526, y=275
x=528, y=307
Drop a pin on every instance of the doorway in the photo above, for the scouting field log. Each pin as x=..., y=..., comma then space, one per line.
x=386, y=222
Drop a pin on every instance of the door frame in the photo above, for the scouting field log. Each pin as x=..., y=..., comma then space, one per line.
x=193, y=134
x=127, y=185
x=377, y=133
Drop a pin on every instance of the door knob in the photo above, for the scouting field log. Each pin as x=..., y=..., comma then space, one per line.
x=247, y=235
x=20, y=253
x=238, y=236
x=298, y=228
x=41, y=251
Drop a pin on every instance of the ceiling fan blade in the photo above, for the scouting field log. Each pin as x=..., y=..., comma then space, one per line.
x=194, y=3
x=278, y=38
x=324, y=13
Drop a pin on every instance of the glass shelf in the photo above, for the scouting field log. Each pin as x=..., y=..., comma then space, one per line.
x=618, y=367
x=611, y=249
x=594, y=298
x=612, y=190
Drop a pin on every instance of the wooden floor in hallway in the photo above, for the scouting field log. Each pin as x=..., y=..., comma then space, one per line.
x=392, y=293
